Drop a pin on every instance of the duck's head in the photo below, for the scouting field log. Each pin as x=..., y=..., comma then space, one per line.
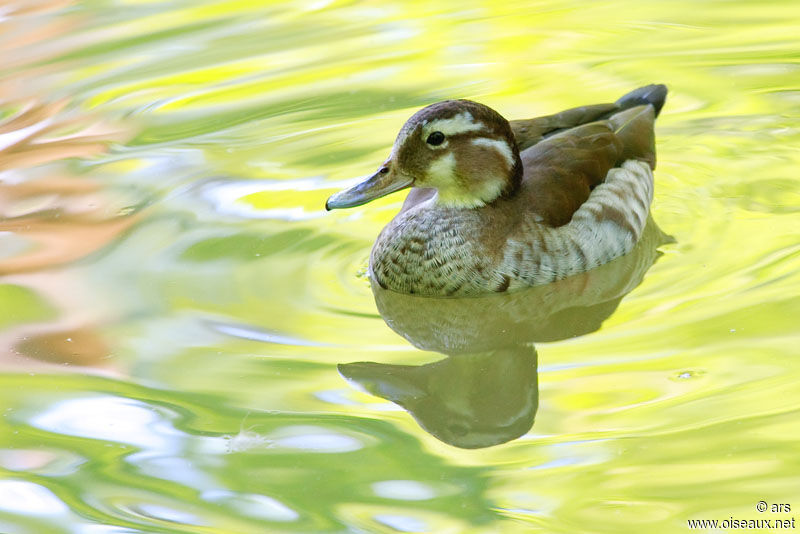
x=464, y=150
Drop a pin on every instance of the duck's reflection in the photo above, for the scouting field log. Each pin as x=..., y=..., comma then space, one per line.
x=485, y=392
x=467, y=400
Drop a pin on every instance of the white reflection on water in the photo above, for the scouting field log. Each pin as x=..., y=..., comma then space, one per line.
x=24, y=459
x=315, y=439
x=403, y=523
x=15, y=136
x=112, y=419
x=255, y=334
x=226, y=198
x=176, y=469
x=335, y=396
x=165, y=513
x=102, y=529
x=252, y=505
x=21, y=497
x=406, y=490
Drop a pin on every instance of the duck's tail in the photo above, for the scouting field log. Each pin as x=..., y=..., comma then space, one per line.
x=529, y=132
x=653, y=94
x=633, y=120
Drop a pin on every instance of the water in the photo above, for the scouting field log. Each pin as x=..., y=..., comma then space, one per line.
x=190, y=345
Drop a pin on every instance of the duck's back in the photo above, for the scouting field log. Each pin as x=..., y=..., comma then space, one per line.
x=562, y=170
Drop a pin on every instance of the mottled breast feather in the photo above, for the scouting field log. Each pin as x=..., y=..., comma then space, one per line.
x=432, y=250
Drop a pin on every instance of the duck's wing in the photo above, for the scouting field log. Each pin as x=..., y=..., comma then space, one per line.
x=530, y=131
x=562, y=169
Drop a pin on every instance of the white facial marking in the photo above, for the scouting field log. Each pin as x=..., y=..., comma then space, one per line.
x=441, y=176
x=440, y=173
x=498, y=144
x=463, y=122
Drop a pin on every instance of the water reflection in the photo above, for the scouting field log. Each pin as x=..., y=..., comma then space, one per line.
x=50, y=215
x=486, y=391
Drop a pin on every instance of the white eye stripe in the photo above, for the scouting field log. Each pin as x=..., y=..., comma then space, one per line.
x=498, y=144
x=461, y=123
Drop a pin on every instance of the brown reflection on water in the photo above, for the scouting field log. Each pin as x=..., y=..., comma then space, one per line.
x=39, y=133
x=29, y=33
x=49, y=217
x=485, y=392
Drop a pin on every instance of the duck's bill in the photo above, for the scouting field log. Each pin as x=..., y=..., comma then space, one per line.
x=376, y=186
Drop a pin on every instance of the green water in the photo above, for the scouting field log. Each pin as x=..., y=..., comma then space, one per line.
x=181, y=321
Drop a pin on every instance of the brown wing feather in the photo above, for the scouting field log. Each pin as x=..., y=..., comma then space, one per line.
x=561, y=171
x=528, y=132
x=635, y=129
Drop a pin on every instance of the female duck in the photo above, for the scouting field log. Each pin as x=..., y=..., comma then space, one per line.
x=498, y=206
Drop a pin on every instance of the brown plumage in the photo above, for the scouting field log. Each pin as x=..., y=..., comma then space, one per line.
x=498, y=205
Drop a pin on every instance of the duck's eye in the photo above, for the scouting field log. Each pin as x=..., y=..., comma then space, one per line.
x=435, y=139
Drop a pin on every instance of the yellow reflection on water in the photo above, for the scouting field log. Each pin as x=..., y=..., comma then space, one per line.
x=234, y=293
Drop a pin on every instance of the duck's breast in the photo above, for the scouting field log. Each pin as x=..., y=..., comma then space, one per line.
x=432, y=250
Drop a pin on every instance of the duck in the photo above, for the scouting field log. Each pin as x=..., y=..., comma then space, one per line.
x=497, y=205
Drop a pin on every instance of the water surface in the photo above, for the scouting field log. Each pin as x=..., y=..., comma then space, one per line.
x=181, y=321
